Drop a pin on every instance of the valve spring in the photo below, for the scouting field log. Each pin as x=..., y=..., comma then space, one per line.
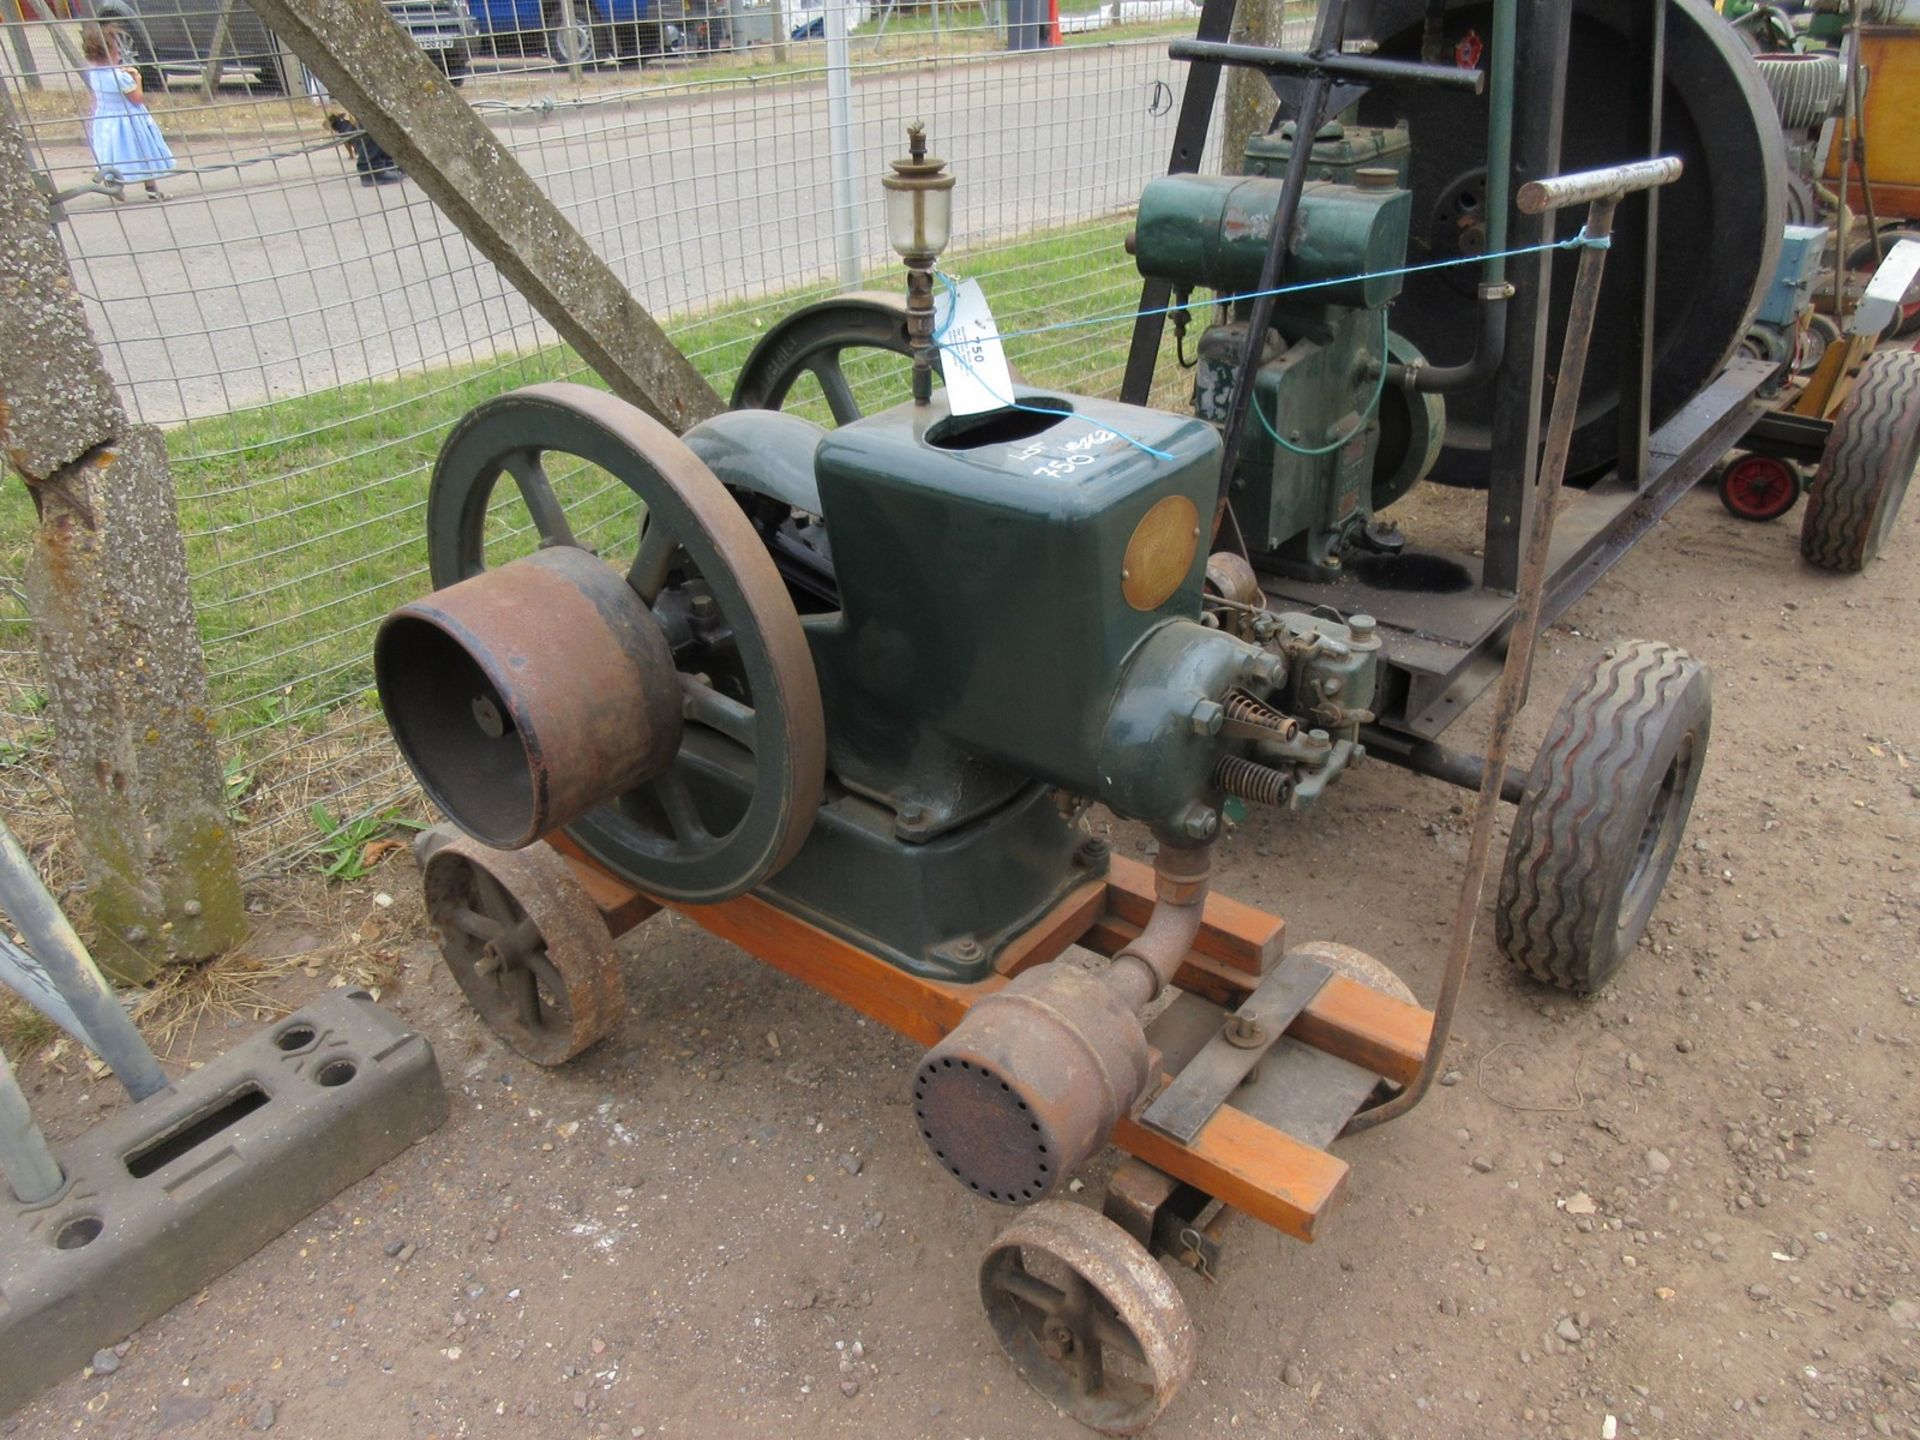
x=1249, y=711
x=1261, y=784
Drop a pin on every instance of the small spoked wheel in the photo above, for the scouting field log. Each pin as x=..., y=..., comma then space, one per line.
x=526, y=946
x=1758, y=487
x=1088, y=1315
x=1597, y=832
x=838, y=344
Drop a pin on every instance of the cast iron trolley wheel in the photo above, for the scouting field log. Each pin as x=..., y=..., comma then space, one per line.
x=750, y=689
x=1607, y=800
x=527, y=947
x=819, y=338
x=1088, y=1315
x=1758, y=487
x=1863, y=474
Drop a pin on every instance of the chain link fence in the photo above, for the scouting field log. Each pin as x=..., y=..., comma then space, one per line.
x=305, y=325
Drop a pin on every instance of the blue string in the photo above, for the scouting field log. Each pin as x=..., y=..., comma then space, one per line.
x=1582, y=240
x=1366, y=415
x=1573, y=242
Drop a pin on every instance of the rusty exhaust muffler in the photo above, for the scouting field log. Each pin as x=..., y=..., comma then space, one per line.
x=1029, y=1085
x=525, y=696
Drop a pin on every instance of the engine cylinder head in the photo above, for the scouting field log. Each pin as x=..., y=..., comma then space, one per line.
x=525, y=696
x=1030, y=1083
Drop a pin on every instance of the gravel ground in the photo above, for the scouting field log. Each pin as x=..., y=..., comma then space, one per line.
x=1689, y=1205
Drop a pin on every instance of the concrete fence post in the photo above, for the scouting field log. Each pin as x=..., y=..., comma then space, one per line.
x=840, y=156
x=107, y=587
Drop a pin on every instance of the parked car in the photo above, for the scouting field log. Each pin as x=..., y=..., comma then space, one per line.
x=601, y=30
x=176, y=32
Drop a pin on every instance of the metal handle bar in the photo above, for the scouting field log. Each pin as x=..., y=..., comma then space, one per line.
x=1362, y=68
x=1588, y=185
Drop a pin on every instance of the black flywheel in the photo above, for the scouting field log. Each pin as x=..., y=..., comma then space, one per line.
x=1719, y=223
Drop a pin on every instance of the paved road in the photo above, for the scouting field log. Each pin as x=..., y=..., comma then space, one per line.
x=283, y=278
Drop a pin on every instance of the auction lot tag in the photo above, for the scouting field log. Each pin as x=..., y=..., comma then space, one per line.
x=972, y=361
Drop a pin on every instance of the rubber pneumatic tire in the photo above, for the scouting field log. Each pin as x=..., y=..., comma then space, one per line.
x=1856, y=493
x=1607, y=801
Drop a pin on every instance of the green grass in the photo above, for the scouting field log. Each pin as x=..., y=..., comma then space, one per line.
x=305, y=519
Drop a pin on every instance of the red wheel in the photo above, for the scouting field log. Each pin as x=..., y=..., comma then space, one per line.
x=1758, y=487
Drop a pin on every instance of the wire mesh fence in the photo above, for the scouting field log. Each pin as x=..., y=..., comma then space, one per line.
x=305, y=325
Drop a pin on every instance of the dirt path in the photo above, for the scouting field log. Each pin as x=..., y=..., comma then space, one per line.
x=687, y=1233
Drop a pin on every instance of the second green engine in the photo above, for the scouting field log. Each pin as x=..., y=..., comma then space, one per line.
x=1331, y=440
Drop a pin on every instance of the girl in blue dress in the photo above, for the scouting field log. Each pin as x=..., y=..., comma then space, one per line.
x=127, y=144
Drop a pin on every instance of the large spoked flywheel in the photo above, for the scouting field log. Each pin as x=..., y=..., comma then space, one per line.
x=1719, y=224
x=742, y=790
x=839, y=344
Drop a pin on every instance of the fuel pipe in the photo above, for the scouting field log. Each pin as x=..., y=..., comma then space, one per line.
x=1603, y=189
x=1491, y=345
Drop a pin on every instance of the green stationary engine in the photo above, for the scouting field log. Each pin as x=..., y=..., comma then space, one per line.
x=876, y=673
x=1331, y=440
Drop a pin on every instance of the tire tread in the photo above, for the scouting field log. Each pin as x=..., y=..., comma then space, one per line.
x=1874, y=439
x=1552, y=887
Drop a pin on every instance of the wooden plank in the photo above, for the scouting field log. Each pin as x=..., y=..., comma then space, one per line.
x=921, y=1009
x=1201, y=974
x=620, y=905
x=1348, y=1019
x=1249, y=1166
x=1054, y=931
x=1240, y=936
x=1375, y=1031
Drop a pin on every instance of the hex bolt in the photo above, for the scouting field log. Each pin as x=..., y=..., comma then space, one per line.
x=1207, y=716
x=1093, y=852
x=1244, y=1032
x=1199, y=822
x=1269, y=669
x=704, y=607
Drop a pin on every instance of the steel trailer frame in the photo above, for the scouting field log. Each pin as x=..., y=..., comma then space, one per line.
x=1442, y=649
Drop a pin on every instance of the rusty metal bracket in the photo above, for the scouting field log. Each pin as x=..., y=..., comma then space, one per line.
x=1168, y=1216
x=166, y=1195
x=1206, y=1082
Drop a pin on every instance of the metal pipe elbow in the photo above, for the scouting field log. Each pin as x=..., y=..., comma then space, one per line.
x=1146, y=964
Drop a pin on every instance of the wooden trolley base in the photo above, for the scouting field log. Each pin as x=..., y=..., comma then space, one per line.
x=1242, y=1161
